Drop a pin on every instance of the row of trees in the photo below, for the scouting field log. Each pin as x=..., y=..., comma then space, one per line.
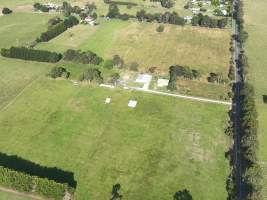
x=167, y=17
x=251, y=172
x=121, y=3
x=58, y=28
x=87, y=57
x=183, y=72
x=40, y=7
x=27, y=183
x=31, y=54
x=207, y=21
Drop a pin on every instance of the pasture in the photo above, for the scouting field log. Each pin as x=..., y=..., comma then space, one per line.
x=55, y=123
x=204, y=49
x=256, y=50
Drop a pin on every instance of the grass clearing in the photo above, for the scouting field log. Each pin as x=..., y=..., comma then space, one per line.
x=12, y=196
x=55, y=123
x=22, y=28
x=256, y=50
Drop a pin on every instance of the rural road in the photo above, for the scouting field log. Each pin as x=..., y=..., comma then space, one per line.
x=236, y=109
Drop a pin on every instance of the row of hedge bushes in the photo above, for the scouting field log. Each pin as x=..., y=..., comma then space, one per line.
x=59, y=28
x=31, y=54
x=87, y=57
x=120, y=3
x=26, y=183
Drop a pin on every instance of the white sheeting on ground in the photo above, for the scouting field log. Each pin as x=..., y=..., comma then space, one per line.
x=132, y=104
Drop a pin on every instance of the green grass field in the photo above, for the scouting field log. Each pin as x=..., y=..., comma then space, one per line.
x=256, y=50
x=11, y=196
x=55, y=123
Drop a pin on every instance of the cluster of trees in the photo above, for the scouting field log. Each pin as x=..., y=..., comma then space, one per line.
x=217, y=78
x=183, y=72
x=114, y=12
x=92, y=74
x=58, y=28
x=57, y=72
x=206, y=21
x=87, y=57
x=26, y=183
x=117, y=61
x=31, y=54
x=89, y=10
x=6, y=11
x=40, y=7
x=165, y=3
x=251, y=170
x=167, y=17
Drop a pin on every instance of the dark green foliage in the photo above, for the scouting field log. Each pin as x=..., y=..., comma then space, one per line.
x=40, y=7
x=167, y=17
x=264, y=98
x=160, y=28
x=182, y=195
x=183, y=72
x=231, y=73
x=59, y=72
x=26, y=183
x=118, y=61
x=116, y=192
x=87, y=57
x=113, y=11
x=120, y=3
x=114, y=78
x=108, y=64
x=31, y=54
x=217, y=78
x=6, y=11
x=206, y=21
x=133, y=66
x=167, y=3
x=92, y=74
x=58, y=29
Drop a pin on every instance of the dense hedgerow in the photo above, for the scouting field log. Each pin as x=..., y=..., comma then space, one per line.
x=26, y=183
x=31, y=54
x=58, y=29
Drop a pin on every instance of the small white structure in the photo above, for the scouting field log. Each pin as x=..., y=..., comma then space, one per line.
x=107, y=86
x=188, y=19
x=224, y=12
x=195, y=9
x=132, y=104
x=51, y=6
x=108, y=100
x=162, y=82
x=90, y=21
x=145, y=79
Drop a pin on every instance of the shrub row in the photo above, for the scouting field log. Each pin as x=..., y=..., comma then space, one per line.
x=87, y=57
x=58, y=29
x=31, y=54
x=26, y=183
x=121, y=3
x=167, y=17
x=206, y=21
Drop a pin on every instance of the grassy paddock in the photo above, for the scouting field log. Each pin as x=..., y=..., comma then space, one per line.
x=12, y=196
x=199, y=48
x=256, y=50
x=151, y=151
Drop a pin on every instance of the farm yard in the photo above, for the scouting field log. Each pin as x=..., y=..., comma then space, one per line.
x=153, y=149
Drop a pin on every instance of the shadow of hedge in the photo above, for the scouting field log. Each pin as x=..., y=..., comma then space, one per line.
x=52, y=173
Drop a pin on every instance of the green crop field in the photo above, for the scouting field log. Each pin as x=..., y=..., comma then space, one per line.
x=255, y=19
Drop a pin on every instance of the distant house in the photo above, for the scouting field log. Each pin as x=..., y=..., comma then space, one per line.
x=89, y=20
